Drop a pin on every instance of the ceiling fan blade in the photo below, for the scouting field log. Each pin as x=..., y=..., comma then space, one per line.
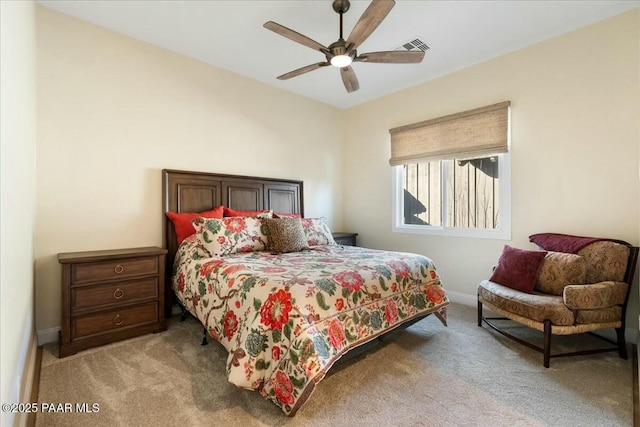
x=303, y=70
x=392, y=57
x=295, y=36
x=369, y=21
x=349, y=79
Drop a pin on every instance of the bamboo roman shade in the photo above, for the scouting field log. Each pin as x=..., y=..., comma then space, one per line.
x=470, y=134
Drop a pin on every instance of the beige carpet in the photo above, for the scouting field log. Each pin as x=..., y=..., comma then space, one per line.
x=427, y=376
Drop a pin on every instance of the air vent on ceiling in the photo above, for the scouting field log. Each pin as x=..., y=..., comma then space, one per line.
x=415, y=44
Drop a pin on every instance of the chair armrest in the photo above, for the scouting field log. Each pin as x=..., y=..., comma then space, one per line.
x=598, y=295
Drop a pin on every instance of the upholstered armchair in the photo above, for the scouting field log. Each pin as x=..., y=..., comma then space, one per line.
x=574, y=285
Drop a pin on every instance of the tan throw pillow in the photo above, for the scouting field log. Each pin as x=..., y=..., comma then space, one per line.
x=560, y=269
x=285, y=235
x=605, y=261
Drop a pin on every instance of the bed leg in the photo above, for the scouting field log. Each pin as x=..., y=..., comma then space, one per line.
x=183, y=313
x=204, y=337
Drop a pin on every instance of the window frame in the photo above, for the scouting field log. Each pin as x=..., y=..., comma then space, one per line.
x=503, y=232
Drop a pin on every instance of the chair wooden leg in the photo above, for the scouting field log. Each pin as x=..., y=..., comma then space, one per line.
x=547, y=342
x=479, y=313
x=622, y=344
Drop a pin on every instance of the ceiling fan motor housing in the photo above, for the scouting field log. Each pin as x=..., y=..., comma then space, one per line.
x=340, y=48
x=341, y=6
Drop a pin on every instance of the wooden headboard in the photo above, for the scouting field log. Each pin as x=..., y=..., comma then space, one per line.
x=185, y=191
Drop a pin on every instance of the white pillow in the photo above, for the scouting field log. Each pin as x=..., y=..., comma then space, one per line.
x=317, y=232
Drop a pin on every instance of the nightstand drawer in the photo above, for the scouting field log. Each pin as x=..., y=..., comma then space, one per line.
x=108, y=270
x=110, y=320
x=85, y=297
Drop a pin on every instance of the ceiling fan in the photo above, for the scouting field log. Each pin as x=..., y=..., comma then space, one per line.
x=343, y=52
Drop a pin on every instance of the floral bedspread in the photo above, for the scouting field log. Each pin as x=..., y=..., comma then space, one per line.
x=286, y=318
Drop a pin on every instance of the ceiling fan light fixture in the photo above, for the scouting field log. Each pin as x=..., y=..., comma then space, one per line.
x=341, y=61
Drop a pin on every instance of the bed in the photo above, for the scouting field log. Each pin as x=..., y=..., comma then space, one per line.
x=286, y=318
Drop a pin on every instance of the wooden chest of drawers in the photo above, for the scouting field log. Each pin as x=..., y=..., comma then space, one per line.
x=110, y=295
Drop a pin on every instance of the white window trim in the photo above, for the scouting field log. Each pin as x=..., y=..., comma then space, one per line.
x=503, y=232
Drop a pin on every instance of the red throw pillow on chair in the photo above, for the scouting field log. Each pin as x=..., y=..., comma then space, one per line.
x=518, y=268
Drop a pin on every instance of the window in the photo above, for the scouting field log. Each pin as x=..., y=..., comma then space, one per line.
x=453, y=197
x=451, y=175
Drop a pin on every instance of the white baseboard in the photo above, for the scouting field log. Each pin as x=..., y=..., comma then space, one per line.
x=27, y=381
x=46, y=336
x=461, y=298
x=631, y=335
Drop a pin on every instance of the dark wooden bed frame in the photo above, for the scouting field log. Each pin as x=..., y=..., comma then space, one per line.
x=185, y=191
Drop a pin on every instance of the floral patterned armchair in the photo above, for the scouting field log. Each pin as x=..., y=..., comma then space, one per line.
x=577, y=285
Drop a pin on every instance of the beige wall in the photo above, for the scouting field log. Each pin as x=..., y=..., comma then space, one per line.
x=113, y=112
x=575, y=152
x=17, y=193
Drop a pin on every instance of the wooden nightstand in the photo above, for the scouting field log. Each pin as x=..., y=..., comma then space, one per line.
x=347, y=239
x=110, y=295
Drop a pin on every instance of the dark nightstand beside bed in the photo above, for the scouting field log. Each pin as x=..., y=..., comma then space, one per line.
x=347, y=239
x=110, y=295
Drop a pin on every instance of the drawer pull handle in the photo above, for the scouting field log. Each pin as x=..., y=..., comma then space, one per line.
x=118, y=320
x=118, y=293
x=119, y=269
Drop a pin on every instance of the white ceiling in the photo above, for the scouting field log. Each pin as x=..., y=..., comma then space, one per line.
x=229, y=34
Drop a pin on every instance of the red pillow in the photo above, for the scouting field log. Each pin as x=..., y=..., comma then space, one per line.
x=182, y=221
x=518, y=269
x=286, y=215
x=233, y=212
